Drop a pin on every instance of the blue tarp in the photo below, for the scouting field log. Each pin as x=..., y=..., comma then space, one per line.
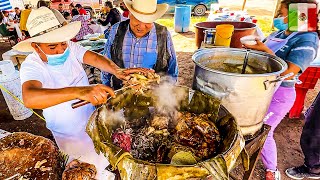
x=5, y=5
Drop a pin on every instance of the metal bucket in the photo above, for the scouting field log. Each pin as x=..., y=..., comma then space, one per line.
x=246, y=96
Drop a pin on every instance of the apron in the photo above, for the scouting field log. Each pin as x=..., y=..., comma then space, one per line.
x=275, y=44
x=68, y=125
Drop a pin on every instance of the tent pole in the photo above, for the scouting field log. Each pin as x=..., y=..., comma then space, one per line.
x=243, y=4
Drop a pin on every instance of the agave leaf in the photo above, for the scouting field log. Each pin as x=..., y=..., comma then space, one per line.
x=93, y=131
x=217, y=167
x=136, y=112
x=169, y=172
x=131, y=168
x=245, y=159
x=183, y=158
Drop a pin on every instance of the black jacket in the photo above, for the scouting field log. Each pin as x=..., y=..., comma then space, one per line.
x=113, y=17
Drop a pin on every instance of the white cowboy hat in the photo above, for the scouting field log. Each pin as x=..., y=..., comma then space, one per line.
x=146, y=11
x=44, y=27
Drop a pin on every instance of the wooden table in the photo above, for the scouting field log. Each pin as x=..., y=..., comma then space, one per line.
x=253, y=148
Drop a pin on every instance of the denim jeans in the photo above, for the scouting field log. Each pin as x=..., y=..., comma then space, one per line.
x=310, y=137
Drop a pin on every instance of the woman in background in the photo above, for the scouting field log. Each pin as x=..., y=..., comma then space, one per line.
x=298, y=49
x=85, y=29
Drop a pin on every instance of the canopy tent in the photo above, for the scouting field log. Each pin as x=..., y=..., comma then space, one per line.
x=275, y=7
x=5, y=5
x=277, y=4
x=17, y=3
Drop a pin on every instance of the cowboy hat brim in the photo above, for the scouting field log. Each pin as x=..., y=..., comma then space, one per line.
x=64, y=33
x=147, y=18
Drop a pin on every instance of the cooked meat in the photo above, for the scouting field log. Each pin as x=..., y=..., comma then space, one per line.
x=160, y=122
x=77, y=170
x=24, y=155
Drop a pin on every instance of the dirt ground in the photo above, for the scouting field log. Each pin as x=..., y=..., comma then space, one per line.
x=287, y=134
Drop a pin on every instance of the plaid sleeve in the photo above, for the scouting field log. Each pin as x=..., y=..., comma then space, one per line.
x=110, y=39
x=105, y=77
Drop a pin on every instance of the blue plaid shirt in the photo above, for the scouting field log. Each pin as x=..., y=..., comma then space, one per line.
x=140, y=52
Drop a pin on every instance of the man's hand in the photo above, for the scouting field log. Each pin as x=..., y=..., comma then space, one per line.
x=96, y=94
x=260, y=46
x=123, y=74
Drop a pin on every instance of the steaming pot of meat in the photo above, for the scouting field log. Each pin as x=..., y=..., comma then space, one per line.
x=166, y=131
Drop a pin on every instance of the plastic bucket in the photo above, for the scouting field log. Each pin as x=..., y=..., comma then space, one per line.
x=10, y=80
x=182, y=18
x=223, y=35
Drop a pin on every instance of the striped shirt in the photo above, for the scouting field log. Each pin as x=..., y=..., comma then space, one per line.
x=140, y=52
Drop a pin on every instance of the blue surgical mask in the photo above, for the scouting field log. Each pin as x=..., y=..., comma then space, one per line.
x=57, y=59
x=279, y=23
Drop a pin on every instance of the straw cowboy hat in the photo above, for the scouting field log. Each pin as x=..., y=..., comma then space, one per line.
x=146, y=11
x=44, y=27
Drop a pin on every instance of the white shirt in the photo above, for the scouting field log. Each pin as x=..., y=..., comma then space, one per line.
x=5, y=20
x=66, y=124
x=60, y=118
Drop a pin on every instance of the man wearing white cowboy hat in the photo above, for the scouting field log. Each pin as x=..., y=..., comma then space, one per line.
x=139, y=42
x=52, y=79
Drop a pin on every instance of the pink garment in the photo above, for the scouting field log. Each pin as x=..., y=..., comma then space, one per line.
x=281, y=103
x=85, y=29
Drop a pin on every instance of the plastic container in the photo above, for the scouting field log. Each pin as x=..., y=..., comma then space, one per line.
x=9, y=79
x=224, y=34
x=182, y=18
x=309, y=80
x=249, y=40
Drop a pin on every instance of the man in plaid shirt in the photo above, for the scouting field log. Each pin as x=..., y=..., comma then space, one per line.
x=139, y=42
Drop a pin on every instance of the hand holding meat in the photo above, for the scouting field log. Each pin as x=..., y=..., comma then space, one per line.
x=124, y=74
x=141, y=81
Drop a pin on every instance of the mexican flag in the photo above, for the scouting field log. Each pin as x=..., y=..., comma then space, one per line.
x=302, y=17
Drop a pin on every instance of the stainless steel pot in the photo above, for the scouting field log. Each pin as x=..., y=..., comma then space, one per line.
x=246, y=96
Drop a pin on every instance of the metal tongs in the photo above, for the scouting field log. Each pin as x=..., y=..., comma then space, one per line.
x=83, y=102
x=245, y=62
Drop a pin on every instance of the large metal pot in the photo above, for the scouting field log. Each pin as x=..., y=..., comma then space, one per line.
x=240, y=29
x=246, y=96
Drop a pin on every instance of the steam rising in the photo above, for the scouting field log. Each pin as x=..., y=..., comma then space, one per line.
x=112, y=118
x=168, y=99
x=167, y=103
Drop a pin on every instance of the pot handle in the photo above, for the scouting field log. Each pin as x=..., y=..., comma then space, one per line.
x=267, y=83
x=211, y=88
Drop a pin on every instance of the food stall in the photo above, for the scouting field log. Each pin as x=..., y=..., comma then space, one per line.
x=159, y=131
